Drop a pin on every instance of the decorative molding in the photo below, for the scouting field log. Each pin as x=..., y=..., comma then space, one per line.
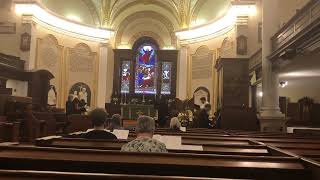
x=93, y=11
x=171, y=8
x=144, y=14
x=7, y=28
x=81, y=61
x=50, y=57
x=151, y=34
x=227, y=48
x=196, y=9
x=202, y=63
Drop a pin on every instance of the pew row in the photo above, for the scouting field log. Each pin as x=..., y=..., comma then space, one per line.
x=166, y=164
x=52, y=175
x=222, y=149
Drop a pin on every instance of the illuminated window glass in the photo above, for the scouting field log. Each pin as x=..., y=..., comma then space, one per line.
x=166, y=78
x=125, y=77
x=146, y=70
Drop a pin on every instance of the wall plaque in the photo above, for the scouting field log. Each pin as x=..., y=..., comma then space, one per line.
x=7, y=28
x=25, y=42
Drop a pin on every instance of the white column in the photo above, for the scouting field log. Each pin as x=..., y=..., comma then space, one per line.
x=30, y=56
x=182, y=75
x=271, y=118
x=102, y=76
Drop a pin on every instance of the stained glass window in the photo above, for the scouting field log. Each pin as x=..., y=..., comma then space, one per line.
x=125, y=77
x=146, y=70
x=166, y=78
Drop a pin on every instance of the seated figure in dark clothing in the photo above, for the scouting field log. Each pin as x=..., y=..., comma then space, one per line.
x=98, y=117
x=203, y=116
x=115, y=123
x=69, y=105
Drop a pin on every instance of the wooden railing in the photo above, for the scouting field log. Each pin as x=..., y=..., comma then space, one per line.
x=11, y=61
x=298, y=23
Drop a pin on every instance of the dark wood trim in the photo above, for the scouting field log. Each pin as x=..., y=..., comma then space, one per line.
x=300, y=31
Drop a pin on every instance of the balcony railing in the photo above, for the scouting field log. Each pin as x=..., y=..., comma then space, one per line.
x=11, y=61
x=308, y=15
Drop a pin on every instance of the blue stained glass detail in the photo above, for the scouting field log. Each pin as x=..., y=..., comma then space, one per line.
x=146, y=70
x=125, y=77
x=166, y=78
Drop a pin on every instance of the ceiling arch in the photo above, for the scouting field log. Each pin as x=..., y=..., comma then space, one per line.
x=150, y=34
x=121, y=8
x=154, y=16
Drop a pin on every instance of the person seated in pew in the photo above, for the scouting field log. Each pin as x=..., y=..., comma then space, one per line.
x=203, y=117
x=69, y=105
x=75, y=106
x=144, y=143
x=115, y=122
x=83, y=106
x=98, y=117
x=175, y=124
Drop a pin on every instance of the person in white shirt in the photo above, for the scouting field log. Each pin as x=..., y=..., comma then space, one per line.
x=203, y=102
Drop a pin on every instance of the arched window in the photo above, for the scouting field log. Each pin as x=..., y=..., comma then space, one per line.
x=146, y=69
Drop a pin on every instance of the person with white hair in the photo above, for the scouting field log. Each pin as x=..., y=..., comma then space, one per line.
x=175, y=124
x=144, y=143
x=115, y=123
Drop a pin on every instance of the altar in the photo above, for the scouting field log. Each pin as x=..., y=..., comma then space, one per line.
x=132, y=111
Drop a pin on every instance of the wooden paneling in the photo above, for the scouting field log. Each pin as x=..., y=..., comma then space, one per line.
x=235, y=82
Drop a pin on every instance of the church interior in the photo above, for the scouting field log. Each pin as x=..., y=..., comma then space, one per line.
x=160, y=89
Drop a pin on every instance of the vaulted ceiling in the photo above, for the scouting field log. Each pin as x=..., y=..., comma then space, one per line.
x=132, y=19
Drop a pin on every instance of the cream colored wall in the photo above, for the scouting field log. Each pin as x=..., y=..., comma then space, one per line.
x=10, y=43
x=71, y=7
x=51, y=53
x=19, y=88
x=210, y=10
x=252, y=33
x=289, y=8
x=303, y=77
x=301, y=87
x=74, y=51
x=214, y=46
x=110, y=74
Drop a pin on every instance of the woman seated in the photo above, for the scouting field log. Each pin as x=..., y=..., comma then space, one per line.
x=144, y=143
x=175, y=124
x=98, y=117
x=115, y=122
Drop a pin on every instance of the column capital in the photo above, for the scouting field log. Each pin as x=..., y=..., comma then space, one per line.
x=104, y=45
x=184, y=46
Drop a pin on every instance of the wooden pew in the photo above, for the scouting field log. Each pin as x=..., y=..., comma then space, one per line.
x=194, y=140
x=52, y=175
x=222, y=149
x=50, y=122
x=78, y=123
x=309, y=148
x=9, y=131
x=165, y=164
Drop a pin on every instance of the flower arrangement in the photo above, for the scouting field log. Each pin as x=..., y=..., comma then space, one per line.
x=184, y=119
